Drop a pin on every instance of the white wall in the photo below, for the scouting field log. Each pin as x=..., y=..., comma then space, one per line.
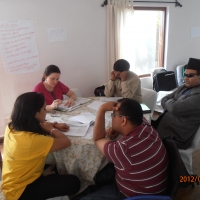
x=82, y=59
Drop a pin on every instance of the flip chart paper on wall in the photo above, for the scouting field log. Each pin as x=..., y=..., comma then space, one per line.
x=57, y=34
x=18, y=46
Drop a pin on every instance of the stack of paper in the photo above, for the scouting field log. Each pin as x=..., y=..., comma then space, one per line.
x=77, y=129
x=84, y=117
x=79, y=101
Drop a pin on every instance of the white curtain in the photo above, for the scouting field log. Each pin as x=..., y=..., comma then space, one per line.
x=119, y=17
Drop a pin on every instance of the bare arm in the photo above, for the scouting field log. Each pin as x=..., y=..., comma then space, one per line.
x=54, y=105
x=72, y=98
x=99, y=127
x=61, y=141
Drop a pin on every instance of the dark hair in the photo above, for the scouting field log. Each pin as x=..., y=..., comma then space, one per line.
x=23, y=115
x=49, y=70
x=132, y=109
x=121, y=65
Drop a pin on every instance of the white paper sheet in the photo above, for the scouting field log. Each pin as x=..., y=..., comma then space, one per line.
x=18, y=46
x=95, y=105
x=89, y=134
x=57, y=34
x=107, y=99
x=84, y=117
x=62, y=106
x=77, y=129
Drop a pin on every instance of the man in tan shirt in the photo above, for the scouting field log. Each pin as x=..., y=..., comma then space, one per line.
x=123, y=83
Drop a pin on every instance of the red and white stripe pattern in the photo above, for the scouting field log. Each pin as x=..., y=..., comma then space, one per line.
x=140, y=161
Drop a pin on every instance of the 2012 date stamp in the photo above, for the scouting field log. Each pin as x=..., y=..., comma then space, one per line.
x=189, y=179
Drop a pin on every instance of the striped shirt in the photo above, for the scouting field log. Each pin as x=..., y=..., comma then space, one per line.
x=140, y=160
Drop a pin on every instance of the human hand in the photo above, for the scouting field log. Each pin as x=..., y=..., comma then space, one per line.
x=123, y=75
x=47, y=126
x=109, y=106
x=70, y=102
x=62, y=127
x=112, y=76
x=111, y=133
x=55, y=103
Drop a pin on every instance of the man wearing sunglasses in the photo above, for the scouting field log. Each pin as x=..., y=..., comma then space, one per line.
x=139, y=156
x=182, y=108
x=123, y=82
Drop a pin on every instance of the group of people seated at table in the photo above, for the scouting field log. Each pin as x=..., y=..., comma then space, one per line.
x=139, y=156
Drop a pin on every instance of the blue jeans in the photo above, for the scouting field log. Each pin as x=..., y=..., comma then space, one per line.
x=108, y=192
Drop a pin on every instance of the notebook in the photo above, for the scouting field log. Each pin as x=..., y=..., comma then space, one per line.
x=145, y=108
x=78, y=102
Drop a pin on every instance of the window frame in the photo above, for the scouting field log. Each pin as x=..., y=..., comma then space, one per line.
x=164, y=9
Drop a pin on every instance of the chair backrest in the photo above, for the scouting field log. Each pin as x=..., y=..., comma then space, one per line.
x=179, y=75
x=147, y=82
x=196, y=140
x=149, y=98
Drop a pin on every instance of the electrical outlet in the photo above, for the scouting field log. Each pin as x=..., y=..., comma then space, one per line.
x=7, y=120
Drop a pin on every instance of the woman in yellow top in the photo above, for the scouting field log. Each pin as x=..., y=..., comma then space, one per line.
x=27, y=141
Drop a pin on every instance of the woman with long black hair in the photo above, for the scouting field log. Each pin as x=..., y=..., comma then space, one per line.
x=27, y=141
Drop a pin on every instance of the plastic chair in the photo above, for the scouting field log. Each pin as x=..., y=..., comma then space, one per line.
x=186, y=154
x=149, y=98
x=179, y=75
x=147, y=82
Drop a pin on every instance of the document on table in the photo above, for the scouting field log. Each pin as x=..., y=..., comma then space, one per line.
x=84, y=117
x=95, y=105
x=77, y=129
x=78, y=102
x=62, y=106
x=89, y=134
x=107, y=99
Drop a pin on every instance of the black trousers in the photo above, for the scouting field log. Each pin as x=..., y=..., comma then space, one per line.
x=53, y=185
x=157, y=122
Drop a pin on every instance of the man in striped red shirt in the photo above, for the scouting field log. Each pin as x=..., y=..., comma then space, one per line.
x=139, y=156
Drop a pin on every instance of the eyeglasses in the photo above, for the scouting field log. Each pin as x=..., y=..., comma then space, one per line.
x=190, y=75
x=114, y=115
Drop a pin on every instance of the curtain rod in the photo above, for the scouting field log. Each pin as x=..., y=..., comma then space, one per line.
x=176, y=2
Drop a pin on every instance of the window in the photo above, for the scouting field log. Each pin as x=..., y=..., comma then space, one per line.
x=145, y=47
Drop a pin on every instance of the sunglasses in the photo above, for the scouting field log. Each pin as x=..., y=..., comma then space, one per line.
x=190, y=75
x=114, y=115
